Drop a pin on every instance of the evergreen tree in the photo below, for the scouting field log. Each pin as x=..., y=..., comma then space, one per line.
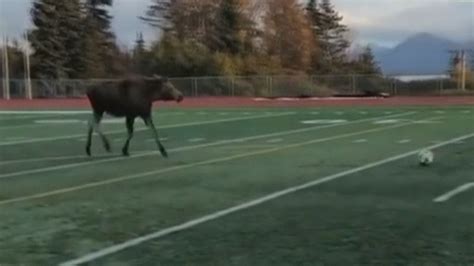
x=332, y=42
x=227, y=28
x=140, y=56
x=56, y=39
x=367, y=63
x=99, y=46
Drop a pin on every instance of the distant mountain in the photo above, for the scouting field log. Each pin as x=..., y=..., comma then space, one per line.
x=420, y=54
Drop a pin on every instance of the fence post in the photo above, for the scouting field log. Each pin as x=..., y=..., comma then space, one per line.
x=353, y=77
x=441, y=86
x=232, y=86
x=195, y=87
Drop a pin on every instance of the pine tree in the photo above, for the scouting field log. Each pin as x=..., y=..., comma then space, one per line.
x=140, y=56
x=332, y=42
x=367, y=63
x=99, y=46
x=49, y=53
x=228, y=25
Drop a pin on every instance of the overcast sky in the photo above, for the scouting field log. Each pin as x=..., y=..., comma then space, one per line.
x=382, y=22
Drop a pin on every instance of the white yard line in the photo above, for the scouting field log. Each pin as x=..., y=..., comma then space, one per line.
x=225, y=212
x=186, y=148
x=404, y=141
x=52, y=158
x=192, y=165
x=34, y=140
x=277, y=140
x=454, y=192
x=43, y=112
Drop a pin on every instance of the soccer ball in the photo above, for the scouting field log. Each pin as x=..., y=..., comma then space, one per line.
x=425, y=157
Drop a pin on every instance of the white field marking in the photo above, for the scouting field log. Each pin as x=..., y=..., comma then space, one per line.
x=252, y=203
x=404, y=141
x=82, y=139
x=460, y=142
x=19, y=117
x=223, y=113
x=440, y=112
x=339, y=113
x=323, y=121
x=191, y=165
x=53, y=158
x=112, y=121
x=196, y=140
x=426, y=122
x=314, y=113
x=14, y=138
x=454, y=192
x=363, y=112
x=153, y=140
x=60, y=121
x=466, y=112
x=274, y=140
x=360, y=141
x=192, y=147
x=46, y=112
x=33, y=140
x=202, y=113
x=247, y=113
x=388, y=113
x=387, y=121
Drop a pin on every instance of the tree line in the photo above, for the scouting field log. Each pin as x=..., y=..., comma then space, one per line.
x=73, y=39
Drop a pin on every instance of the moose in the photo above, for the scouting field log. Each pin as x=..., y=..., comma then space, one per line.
x=130, y=98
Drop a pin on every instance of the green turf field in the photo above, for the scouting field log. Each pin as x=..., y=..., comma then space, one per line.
x=276, y=186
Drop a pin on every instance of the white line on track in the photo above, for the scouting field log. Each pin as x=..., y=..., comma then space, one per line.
x=275, y=140
x=192, y=165
x=192, y=147
x=225, y=212
x=47, y=112
x=360, y=141
x=52, y=158
x=34, y=140
x=196, y=140
x=404, y=141
x=454, y=192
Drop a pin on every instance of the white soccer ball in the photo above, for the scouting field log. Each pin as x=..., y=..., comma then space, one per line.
x=425, y=157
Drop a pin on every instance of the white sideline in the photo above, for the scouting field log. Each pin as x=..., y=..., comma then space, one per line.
x=454, y=192
x=144, y=128
x=51, y=158
x=191, y=147
x=48, y=112
x=213, y=216
x=191, y=165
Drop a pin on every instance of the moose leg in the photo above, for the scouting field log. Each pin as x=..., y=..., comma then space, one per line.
x=89, y=139
x=94, y=125
x=130, y=121
x=149, y=123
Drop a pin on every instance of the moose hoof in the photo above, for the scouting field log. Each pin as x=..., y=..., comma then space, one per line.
x=125, y=152
x=107, y=147
x=163, y=152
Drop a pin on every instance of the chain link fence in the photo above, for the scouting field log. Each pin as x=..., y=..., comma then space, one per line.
x=252, y=86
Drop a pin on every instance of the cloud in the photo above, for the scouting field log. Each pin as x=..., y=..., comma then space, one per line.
x=389, y=22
